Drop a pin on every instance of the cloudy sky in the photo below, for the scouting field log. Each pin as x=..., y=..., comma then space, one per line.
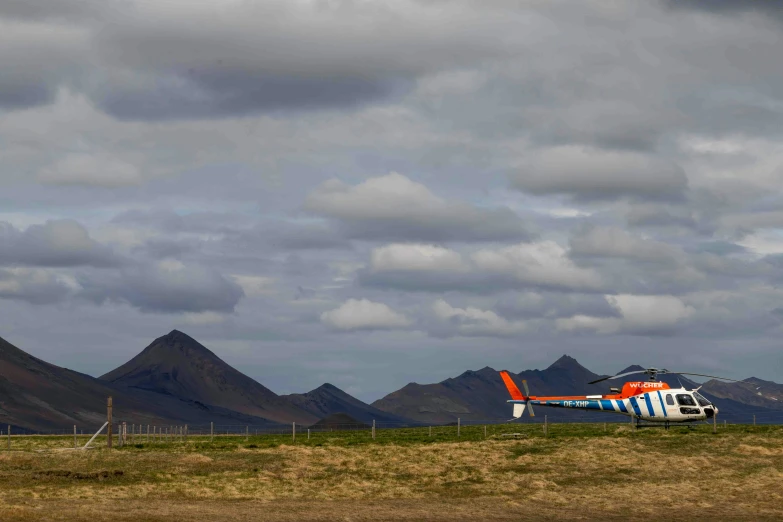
x=371, y=193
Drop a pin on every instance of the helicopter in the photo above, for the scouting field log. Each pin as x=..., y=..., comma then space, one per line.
x=651, y=401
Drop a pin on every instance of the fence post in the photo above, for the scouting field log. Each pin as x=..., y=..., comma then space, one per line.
x=74, y=437
x=108, y=426
x=9, y=437
x=293, y=432
x=754, y=420
x=373, y=429
x=211, y=431
x=247, y=431
x=714, y=424
x=724, y=424
x=458, y=426
x=308, y=433
x=430, y=431
x=186, y=432
x=148, y=432
x=485, y=431
x=546, y=431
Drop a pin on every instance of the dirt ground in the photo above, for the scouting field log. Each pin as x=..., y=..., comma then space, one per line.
x=676, y=475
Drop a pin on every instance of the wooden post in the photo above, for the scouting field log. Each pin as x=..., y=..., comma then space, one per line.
x=546, y=431
x=9, y=437
x=211, y=431
x=458, y=426
x=293, y=431
x=108, y=419
x=308, y=433
x=430, y=431
x=754, y=420
x=373, y=429
x=148, y=432
x=74, y=436
x=247, y=432
x=724, y=424
x=714, y=424
x=485, y=431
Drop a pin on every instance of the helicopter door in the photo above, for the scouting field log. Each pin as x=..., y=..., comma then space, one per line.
x=670, y=405
x=657, y=405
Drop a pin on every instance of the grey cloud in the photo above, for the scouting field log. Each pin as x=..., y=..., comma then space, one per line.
x=192, y=222
x=594, y=174
x=730, y=7
x=35, y=286
x=36, y=60
x=216, y=93
x=165, y=288
x=616, y=242
x=652, y=215
x=57, y=243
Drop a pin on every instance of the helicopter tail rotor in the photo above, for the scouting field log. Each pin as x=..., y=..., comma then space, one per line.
x=520, y=401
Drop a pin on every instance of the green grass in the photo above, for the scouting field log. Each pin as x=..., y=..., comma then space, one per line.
x=404, y=436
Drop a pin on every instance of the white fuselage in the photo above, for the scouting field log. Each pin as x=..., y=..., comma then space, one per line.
x=665, y=405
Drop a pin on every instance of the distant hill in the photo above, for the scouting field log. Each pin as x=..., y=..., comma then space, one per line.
x=753, y=391
x=179, y=366
x=481, y=395
x=339, y=422
x=328, y=399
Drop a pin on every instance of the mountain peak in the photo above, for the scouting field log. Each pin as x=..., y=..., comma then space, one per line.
x=566, y=362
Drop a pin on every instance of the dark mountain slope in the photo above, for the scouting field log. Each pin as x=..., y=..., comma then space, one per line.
x=179, y=366
x=328, y=399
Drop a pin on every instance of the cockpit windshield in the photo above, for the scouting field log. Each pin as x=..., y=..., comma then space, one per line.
x=701, y=399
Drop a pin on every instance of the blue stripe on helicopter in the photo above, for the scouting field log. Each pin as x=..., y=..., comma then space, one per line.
x=607, y=405
x=621, y=405
x=663, y=405
x=649, y=404
x=635, y=406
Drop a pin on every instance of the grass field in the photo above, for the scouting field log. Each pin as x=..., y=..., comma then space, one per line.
x=578, y=472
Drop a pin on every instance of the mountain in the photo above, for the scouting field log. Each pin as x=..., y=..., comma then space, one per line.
x=754, y=392
x=328, y=399
x=179, y=366
x=36, y=395
x=481, y=395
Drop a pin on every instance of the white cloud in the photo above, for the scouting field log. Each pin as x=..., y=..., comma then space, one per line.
x=640, y=314
x=545, y=263
x=475, y=322
x=400, y=256
x=396, y=207
x=362, y=314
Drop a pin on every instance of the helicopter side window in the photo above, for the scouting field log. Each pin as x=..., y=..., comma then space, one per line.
x=669, y=399
x=685, y=400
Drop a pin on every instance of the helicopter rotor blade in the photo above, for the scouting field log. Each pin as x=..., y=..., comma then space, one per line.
x=616, y=376
x=527, y=396
x=704, y=375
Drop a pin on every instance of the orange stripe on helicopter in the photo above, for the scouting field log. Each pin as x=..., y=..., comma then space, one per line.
x=512, y=388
